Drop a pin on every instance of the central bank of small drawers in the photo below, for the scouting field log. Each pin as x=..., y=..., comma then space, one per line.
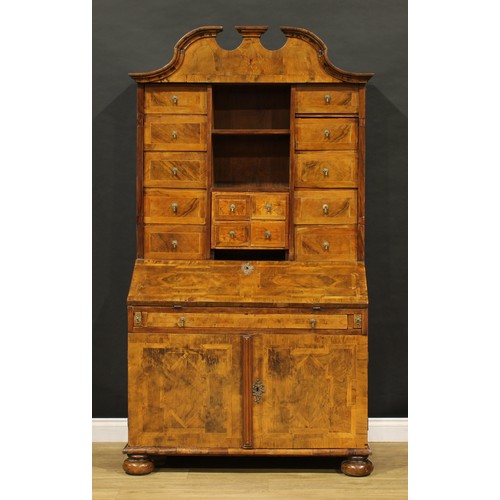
x=249, y=220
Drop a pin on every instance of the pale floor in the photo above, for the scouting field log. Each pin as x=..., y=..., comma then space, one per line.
x=233, y=478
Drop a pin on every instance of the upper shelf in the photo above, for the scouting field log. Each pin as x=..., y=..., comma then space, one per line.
x=198, y=58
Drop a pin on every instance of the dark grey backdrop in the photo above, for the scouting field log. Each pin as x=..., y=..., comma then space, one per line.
x=362, y=36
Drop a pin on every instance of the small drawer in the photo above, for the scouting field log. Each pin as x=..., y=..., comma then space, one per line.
x=175, y=132
x=230, y=206
x=175, y=99
x=326, y=169
x=316, y=134
x=272, y=234
x=267, y=321
x=270, y=206
x=336, y=206
x=174, y=206
x=230, y=235
x=326, y=99
x=330, y=243
x=173, y=169
x=174, y=242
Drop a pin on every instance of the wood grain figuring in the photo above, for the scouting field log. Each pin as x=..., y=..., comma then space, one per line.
x=328, y=99
x=323, y=410
x=139, y=213
x=361, y=174
x=326, y=133
x=185, y=390
x=174, y=242
x=337, y=206
x=337, y=243
x=230, y=207
x=326, y=169
x=176, y=99
x=221, y=283
x=182, y=320
x=175, y=132
x=174, y=206
x=268, y=234
x=247, y=391
x=230, y=234
x=269, y=206
x=186, y=170
x=199, y=58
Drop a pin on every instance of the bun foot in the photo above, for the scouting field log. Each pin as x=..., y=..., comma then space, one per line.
x=138, y=465
x=356, y=466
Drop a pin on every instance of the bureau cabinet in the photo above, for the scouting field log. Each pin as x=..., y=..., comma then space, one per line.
x=248, y=305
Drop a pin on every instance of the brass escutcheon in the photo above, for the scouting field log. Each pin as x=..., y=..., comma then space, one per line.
x=258, y=390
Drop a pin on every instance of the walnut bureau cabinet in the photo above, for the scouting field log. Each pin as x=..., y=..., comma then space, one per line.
x=248, y=305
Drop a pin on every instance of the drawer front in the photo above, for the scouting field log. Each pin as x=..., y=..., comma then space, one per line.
x=272, y=234
x=185, y=321
x=175, y=132
x=336, y=206
x=269, y=206
x=175, y=99
x=174, y=242
x=230, y=206
x=330, y=243
x=176, y=170
x=174, y=206
x=326, y=169
x=326, y=99
x=326, y=133
x=230, y=234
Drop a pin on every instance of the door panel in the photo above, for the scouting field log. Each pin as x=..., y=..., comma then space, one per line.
x=315, y=391
x=185, y=390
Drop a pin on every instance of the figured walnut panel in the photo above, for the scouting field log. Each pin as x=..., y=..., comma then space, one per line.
x=326, y=133
x=175, y=132
x=336, y=206
x=185, y=170
x=243, y=320
x=230, y=206
x=230, y=234
x=185, y=390
x=269, y=234
x=326, y=169
x=175, y=99
x=326, y=243
x=211, y=282
x=199, y=58
x=174, y=242
x=174, y=206
x=315, y=391
x=327, y=99
x=270, y=206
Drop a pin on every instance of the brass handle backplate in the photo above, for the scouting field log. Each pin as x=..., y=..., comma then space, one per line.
x=232, y=208
x=182, y=322
x=138, y=319
x=174, y=244
x=325, y=209
x=175, y=171
x=269, y=207
x=327, y=133
x=268, y=234
x=312, y=322
x=175, y=206
x=258, y=390
x=174, y=135
x=327, y=99
x=232, y=234
x=326, y=245
x=326, y=172
x=175, y=99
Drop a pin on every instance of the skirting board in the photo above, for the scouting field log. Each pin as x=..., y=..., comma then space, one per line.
x=114, y=430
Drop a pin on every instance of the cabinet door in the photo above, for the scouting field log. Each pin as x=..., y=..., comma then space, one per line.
x=185, y=390
x=315, y=391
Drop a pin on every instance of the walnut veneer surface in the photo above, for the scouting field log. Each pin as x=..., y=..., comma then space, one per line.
x=248, y=305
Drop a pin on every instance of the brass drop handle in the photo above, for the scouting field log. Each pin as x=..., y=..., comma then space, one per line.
x=182, y=322
x=174, y=134
x=232, y=208
x=327, y=99
x=175, y=171
x=258, y=390
x=326, y=172
x=175, y=99
x=327, y=133
x=174, y=244
x=326, y=245
x=269, y=207
x=268, y=234
x=325, y=209
x=232, y=234
x=175, y=206
x=312, y=322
